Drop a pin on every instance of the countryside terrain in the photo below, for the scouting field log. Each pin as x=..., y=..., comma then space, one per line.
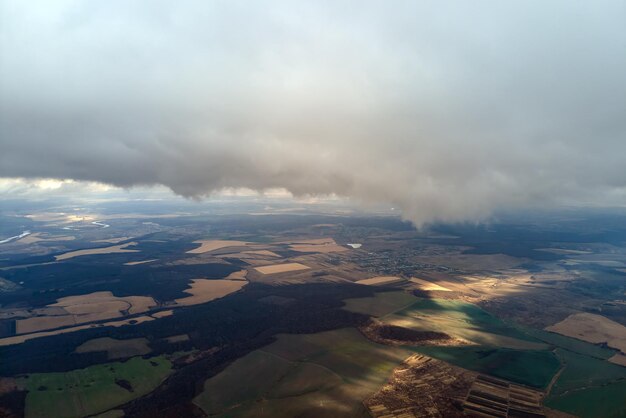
x=118, y=311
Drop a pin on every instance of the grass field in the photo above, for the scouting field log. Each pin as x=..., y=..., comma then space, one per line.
x=384, y=303
x=116, y=349
x=608, y=401
x=327, y=374
x=584, y=371
x=92, y=390
x=528, y=367
x=571, y=344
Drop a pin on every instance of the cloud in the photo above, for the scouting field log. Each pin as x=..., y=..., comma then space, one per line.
x=446, y=110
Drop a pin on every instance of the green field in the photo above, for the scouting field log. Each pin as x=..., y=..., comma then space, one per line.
x=327, y=374
x=384, y=303
x=584, y=371
x=91, y=390
x=607, y=401
x=571, y=344
x=528, y=367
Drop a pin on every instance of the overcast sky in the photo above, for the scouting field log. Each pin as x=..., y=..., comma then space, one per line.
x=447, y=110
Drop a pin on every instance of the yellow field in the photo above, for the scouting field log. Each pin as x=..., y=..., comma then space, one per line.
x=94, y=251
x=379, y=280
x=212, y=245
x=592, y=328
x=281, y=268
x=204, y=290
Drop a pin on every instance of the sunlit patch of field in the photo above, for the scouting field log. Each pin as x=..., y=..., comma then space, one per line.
x=114, y=348
x=281, y=268
x=463, y=321
x=95, y=251
x=18, y=339
x=593, y=328
x=212, y=245
x=328, y=374
x=74, y=310
x=134, y=263
x=428, y=286
x=379, y=280
x=204, y=290
x=92, y=390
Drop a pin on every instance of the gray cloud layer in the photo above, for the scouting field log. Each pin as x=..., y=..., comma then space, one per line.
x=447, y=110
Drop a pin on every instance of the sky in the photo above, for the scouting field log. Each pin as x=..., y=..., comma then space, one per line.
x=446, y=110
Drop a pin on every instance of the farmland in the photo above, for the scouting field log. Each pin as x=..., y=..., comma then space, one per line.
x=328, y=373
x=92, y=390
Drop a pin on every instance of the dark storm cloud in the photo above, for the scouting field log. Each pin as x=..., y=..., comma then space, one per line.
x=447, y=110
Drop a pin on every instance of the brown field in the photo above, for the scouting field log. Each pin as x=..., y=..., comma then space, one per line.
x=618, y=359
x=238, y=275
x=97, y=306
x=428, y=286
x=592, y=328
x=212, y=245
x=38, y=323
x=94, y=251
x=163, y=314
x=323, y=245
x=134, y=263
x=37, y=237
x=262, y=252
x=113, y=240
x=116, y=348
x=204, y=290
x=18, y=339
x=281, y=268
x=379, y=280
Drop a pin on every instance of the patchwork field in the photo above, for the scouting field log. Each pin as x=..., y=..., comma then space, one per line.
x=94, y=251
x=92, y=390
x=116, y=349
x=327, y=374
x=204, y=290
x=281, y=268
